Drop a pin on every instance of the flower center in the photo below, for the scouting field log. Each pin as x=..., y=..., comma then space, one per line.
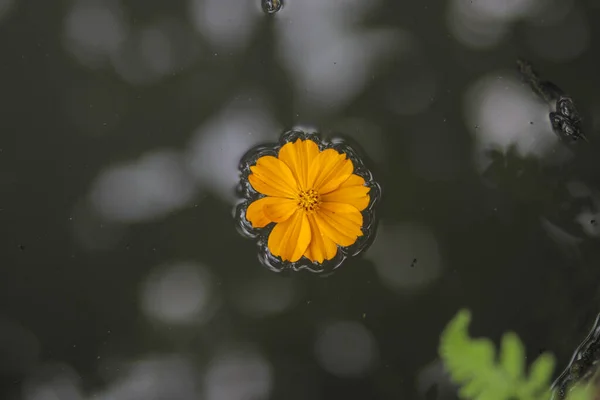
x=309, y=200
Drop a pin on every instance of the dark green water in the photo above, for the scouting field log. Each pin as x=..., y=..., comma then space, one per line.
x=122, y=274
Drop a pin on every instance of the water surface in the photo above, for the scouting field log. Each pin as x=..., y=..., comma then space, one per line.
x=123, y=275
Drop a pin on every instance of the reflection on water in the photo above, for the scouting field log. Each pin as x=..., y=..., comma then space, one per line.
x=252, y=374
x=181, y=293
x=407, y=257
x=502, y=112
x=123, y=276
x=150, y=187
x=216, y=147
x=346, y=349
x=556, y=29
x=227, y=24
x=52, y=381
x=94, y=31
x=331, y=62
x=152, y=378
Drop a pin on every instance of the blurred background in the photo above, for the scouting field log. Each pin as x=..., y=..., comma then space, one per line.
x=122, y=276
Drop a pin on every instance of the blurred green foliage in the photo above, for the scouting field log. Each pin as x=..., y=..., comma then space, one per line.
x=473, y=365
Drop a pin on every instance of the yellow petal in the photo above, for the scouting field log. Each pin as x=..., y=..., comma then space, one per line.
x=281, y=210
x=344, y=212
x=339, y=174
x=328, y=171
x=308, y=254
x=298, y=156
x=352, y=192
x=289, y=239
x=321, y=247
x=340, y=222
x=353, y=180
x=272, y=177
x=256, y=211
x=332, y=233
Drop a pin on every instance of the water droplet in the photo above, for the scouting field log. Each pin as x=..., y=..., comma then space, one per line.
x=248, y=195
x=272, y=6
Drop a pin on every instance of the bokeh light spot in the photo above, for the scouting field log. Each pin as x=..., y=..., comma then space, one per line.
x=150, y=187
x=346, y=349
x=407, y=257
x=179, y=293
x=238, y=374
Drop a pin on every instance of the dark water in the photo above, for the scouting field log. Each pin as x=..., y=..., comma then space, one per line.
x=122, y=273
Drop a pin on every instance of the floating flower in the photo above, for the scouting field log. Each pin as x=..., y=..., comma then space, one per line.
x=310, y=196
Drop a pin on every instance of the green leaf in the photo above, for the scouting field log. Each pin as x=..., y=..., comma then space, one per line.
x=540, y=373
x=512, y=355
x=472, y=364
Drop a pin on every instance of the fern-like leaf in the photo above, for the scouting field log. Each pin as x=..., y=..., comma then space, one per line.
x=472, y=364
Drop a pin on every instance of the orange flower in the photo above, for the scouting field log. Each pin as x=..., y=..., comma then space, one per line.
x=312, y=196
